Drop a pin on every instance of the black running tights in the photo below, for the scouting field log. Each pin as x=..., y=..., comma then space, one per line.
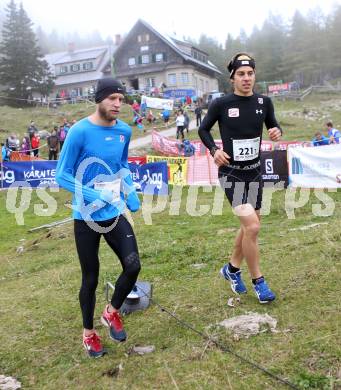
x=122, y=241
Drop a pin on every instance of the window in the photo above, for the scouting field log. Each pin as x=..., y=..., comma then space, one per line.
x=87, y=65
x=64, y=69
x=158, y=57
x=195, y=55
x=131, y=61
x=202, y=84
x=139, y=38
x=147, y=37
x=75, y=68
x=145, y=59
x=150, y=82
x=172, y=78
x=144, y=48
x=206, y=85
x=184, y=78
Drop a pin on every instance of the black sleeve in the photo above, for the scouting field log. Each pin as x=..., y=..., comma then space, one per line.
x=270, y=120
x=206, y=125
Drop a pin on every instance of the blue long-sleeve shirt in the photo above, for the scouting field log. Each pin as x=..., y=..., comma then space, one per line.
x=93, y=154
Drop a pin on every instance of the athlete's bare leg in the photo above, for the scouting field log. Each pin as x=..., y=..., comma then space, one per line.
x=246, y=242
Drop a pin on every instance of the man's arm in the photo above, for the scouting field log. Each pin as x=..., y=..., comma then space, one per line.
x=220, y=157
x=66, y=175
x=274, y=130
x=132, y=199
x=206, y=125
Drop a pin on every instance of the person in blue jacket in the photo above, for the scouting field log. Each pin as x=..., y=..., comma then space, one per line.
x=93, y=166
x=320, y=139
x=333, y=134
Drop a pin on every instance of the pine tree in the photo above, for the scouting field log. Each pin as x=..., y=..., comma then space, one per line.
x=22, y=69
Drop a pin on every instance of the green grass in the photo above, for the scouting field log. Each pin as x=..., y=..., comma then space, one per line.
x=40, y=321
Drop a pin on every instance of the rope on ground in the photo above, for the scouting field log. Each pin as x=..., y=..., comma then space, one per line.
x=221, y=346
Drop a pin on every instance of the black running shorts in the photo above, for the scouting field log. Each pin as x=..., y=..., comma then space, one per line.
x=242, y=186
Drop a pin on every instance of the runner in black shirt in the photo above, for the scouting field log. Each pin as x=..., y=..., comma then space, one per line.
x=241, y=116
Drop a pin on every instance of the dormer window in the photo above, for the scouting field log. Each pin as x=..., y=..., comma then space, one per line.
x=131, y=61
x=158, y=57
x=75, y=68
x=88, y=66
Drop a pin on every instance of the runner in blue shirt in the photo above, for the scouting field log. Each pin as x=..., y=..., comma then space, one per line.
x=93, y=166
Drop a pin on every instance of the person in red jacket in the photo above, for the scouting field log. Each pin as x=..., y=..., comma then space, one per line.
x=35, y=143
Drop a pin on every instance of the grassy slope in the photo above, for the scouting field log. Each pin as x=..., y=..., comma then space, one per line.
x=16, y=120
x=40, y=322
x=40, y=319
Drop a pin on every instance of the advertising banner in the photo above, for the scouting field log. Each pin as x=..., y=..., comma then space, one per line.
x=29, y=173
x=178, y=93
x=274, y=167
x=318, y=167
x=177, y=168
x=278, y=87
x=284, y=145
x=139, y=160
x=151, y=179
x=157, y=103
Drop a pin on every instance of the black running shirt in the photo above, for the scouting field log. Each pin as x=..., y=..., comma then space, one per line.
x=240, y=120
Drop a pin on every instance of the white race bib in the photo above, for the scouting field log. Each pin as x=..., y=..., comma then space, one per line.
x=114, y=186
x=246, y=149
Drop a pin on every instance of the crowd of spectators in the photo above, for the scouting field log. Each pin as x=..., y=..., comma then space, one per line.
x=30, y=144
x=333, y=136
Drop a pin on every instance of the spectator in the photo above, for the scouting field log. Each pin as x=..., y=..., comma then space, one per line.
x=5, y=152
x=61, y=134
x=32, y=129
x=186, y=123
x=35, y=143
x=12, y=142
x=67, y=126
x=150, y=117
x=320, y=139
x=198, y=113
x=52, y=142
x=25, y=146
x=333, y=134
x=180, y=121
x=165, y=116
x=136, y=107
x=143, y=107
x=187, y=148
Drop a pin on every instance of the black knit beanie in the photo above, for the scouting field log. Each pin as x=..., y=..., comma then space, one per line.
x=240, y=59
x=106, y=87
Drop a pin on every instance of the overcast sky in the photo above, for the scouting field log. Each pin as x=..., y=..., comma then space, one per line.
x=184, y=17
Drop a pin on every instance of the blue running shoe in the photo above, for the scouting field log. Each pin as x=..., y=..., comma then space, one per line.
x=237, y=284
x=263, y=292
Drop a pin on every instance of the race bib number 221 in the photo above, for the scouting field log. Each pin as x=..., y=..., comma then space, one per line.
x=246, y=149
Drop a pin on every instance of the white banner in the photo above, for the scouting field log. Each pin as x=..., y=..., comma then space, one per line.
x=315, y=167
x=157, y=103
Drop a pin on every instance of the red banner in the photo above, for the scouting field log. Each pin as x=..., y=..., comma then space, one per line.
x=139, y=160
x=283, y=145
x=171, y=147
x=278, y=87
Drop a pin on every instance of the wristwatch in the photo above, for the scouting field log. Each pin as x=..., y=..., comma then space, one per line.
x=213, y=150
